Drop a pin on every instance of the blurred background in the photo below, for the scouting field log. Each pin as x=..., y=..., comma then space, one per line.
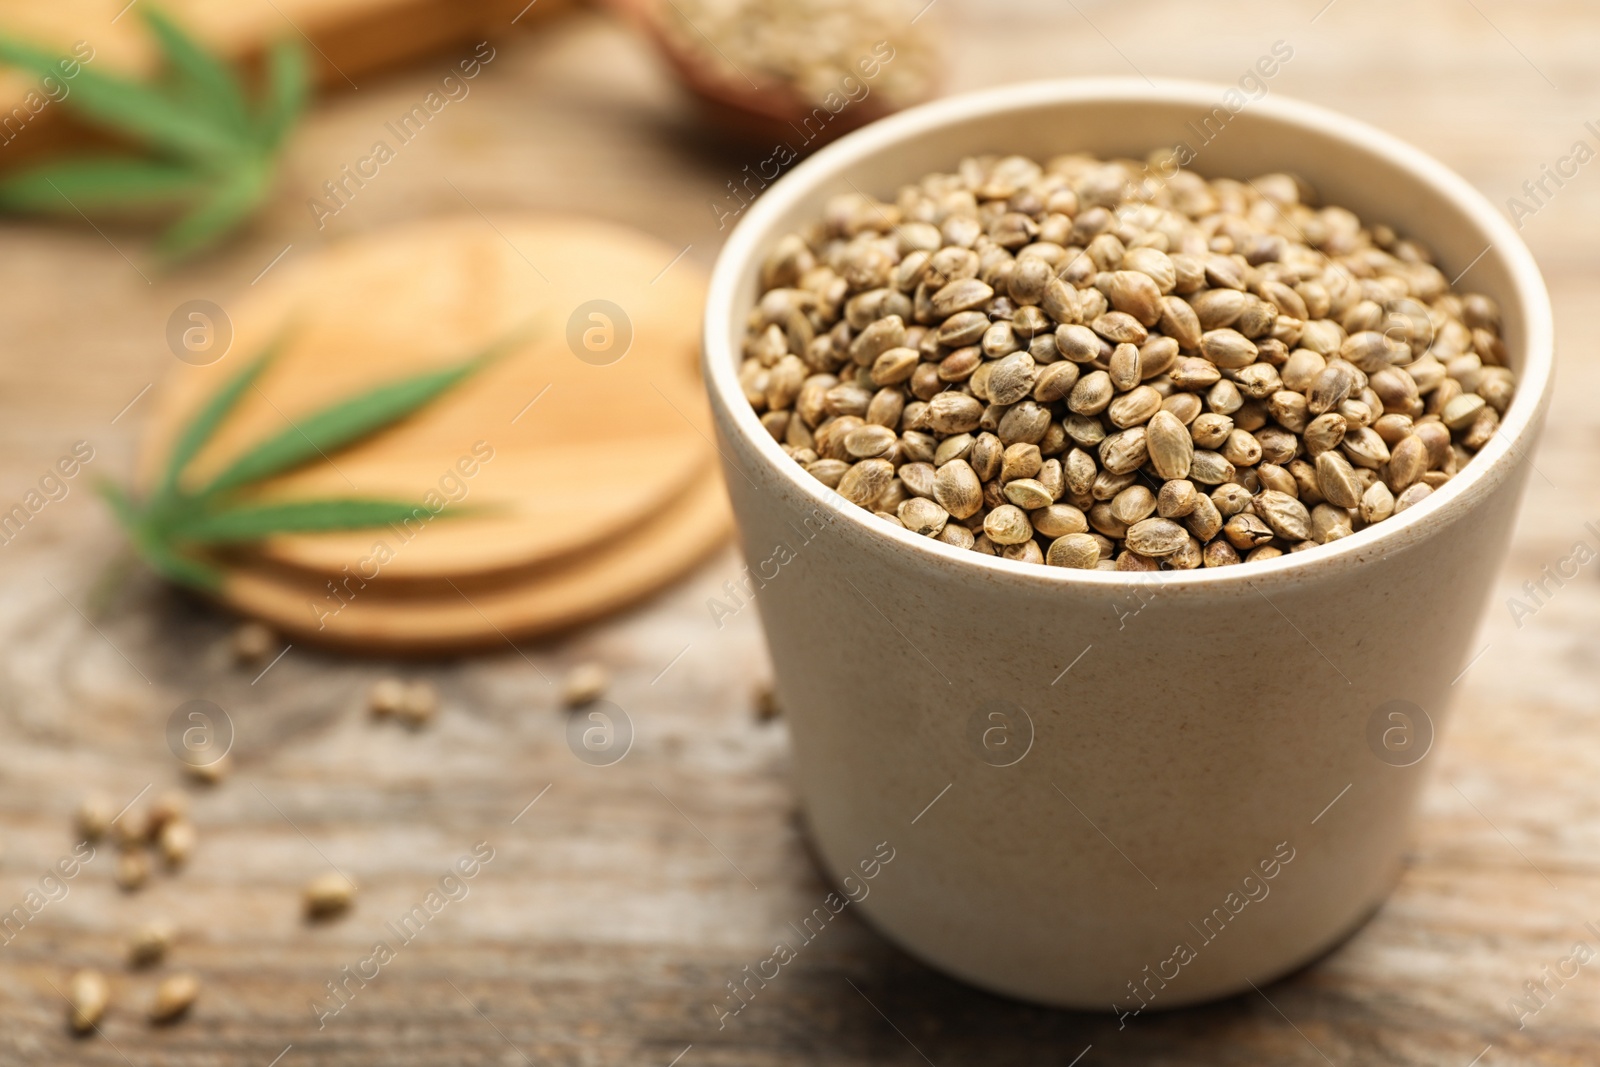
x=632, y=878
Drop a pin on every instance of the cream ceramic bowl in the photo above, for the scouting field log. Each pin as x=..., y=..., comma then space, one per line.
x=1105, y=790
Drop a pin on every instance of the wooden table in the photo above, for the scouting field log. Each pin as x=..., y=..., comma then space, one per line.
x=616, y=908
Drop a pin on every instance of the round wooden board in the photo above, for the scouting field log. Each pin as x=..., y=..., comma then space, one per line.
x=568, y=452
x=384, y=617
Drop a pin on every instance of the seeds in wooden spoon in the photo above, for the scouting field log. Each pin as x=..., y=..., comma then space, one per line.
x=813, y=53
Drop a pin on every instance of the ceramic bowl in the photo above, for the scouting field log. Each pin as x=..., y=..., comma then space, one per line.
x=1112, y=790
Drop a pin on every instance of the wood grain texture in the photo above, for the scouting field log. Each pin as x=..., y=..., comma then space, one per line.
x=617, y=907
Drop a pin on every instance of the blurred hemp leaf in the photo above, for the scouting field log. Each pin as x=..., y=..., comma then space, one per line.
x=174, y=526
x=208, y=148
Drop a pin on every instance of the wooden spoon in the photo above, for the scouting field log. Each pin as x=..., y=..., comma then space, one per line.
x=750, y=106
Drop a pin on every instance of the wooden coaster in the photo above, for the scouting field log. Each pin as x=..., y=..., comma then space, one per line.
x=391, y=617
x=563, y=445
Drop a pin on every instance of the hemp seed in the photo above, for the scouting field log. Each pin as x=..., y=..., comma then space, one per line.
x=88, y=994
x=327, y=895
x=131, y=829
x=94, y=815
x=766, y=703
x=177, y=840
x=210, y=773
x=169, y=807
x=174, y=996
x=251, y=643
x=132, y=870
x=149, y=942
x=1028, y=359
x=418, y=704
x=385, y=697
x=584, y=684
x=1079, y=550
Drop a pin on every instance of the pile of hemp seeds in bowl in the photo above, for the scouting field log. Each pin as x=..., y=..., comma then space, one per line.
x=1119, y=365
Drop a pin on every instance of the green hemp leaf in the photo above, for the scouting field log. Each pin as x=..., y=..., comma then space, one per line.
x=208, y=149
x=175, y=525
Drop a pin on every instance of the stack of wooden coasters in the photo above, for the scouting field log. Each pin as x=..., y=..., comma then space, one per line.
x=572, y=477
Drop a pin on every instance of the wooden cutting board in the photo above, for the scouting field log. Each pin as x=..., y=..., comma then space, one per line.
x=347, y=40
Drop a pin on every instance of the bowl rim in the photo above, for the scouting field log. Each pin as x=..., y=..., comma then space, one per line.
x=1443, y=507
